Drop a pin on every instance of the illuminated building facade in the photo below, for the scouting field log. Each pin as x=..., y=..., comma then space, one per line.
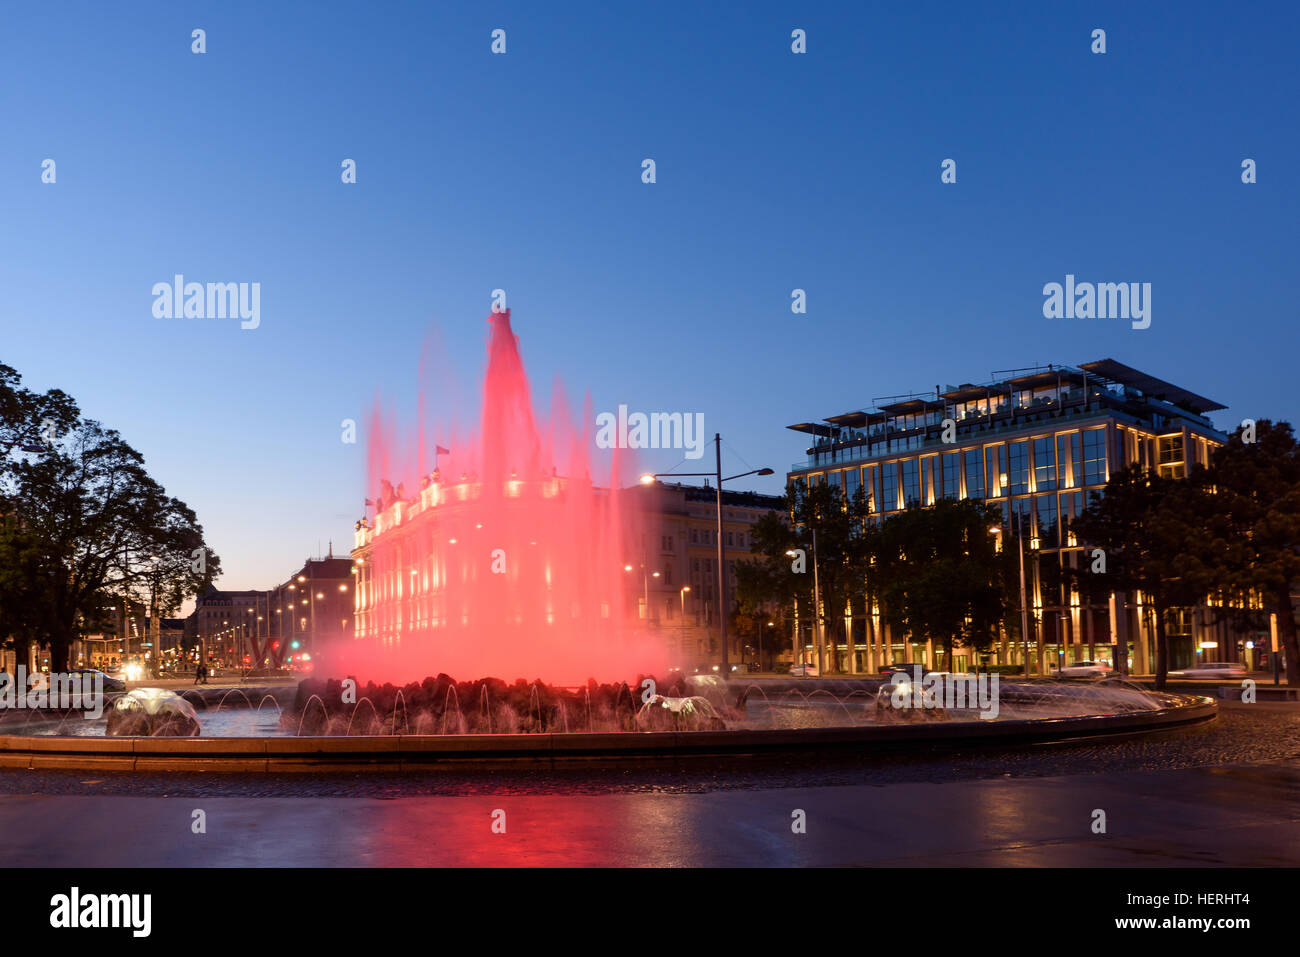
x=427, y=552
x=417, y=565
x=314, y=602
x=681, y=553
x=1034, y=443
x=256, y=629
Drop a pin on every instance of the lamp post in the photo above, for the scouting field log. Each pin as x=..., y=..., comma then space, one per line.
x=155, y=621
x=649, y=477
x=1024, y=605
x=819, y=635
x=645, y=587
x=681, y=642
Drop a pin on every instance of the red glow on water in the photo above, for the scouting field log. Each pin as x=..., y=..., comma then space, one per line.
x=507, y=560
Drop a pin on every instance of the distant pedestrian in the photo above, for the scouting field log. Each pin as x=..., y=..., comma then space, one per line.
x=198, y=673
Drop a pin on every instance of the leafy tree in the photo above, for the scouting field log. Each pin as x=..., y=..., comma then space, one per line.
x=1093, y=587
x=1148, y=526
x=767, y=582
x=788, y=581
x=937, y=574
x=30, y=421
x=1252, y=527
x=762, y=596
x=83, y=525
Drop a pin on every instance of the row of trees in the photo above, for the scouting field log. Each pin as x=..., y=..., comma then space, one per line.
x=1229, y=533
x=83, y=526
x=932, y=572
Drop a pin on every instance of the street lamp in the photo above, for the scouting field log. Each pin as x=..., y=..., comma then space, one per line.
x=817, y=608
x=1024, y=605
x=681, y=642
x=645, y=582
x=649, y=478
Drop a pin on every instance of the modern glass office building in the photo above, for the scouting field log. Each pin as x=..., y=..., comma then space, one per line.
x=1035, y=443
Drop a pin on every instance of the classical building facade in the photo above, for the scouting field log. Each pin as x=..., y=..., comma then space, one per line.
x=409, y=562
x=680, y=554
x=223, y=622
x=313, y=603
x=260, y=628
x=1034, y=443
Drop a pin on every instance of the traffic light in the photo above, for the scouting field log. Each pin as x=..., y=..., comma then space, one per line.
x=294, y=644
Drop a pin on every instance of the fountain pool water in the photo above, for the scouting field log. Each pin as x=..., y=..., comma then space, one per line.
x=489, y=707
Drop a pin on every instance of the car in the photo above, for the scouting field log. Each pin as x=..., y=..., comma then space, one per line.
x=907, y=668
x=110, y=683
x=804, y=671
x=133, y=671
x=1212, y=669
x=1084, y=669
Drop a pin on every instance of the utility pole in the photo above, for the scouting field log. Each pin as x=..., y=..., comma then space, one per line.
x=817, y=610
x=722, y=575
x=649, y=478
x=1024, y=605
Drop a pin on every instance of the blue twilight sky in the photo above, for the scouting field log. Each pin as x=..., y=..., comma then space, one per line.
x=522, y=171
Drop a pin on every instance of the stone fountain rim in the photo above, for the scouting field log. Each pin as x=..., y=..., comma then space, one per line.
x=410, y=752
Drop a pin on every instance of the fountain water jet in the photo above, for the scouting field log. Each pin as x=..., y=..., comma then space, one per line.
x=507, y=558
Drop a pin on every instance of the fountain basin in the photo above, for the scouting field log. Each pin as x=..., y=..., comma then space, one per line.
x=422, y=753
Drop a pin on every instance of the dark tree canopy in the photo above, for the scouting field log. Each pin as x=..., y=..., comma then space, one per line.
x=937, y=574
x=82, y=525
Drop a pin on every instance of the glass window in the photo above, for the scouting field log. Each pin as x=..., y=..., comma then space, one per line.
x=974, y=473
x=851, y=485
x=995, y=467
x=911, y=482
x=889, y=492
x=1044, y=464
x=1022, y=520
x=1094, y=457
x=1071, y=508
x=1019, y=470
x=951, y=487
x=873, y=488
x=1068, y=462
x=1048, y=533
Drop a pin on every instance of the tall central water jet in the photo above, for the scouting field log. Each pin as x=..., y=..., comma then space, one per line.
x=509, y=561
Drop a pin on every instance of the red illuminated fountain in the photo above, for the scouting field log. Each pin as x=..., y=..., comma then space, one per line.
x=509, y=558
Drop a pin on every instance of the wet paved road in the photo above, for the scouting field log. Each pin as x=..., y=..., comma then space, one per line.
x=1244, y=817
x=1228, y=794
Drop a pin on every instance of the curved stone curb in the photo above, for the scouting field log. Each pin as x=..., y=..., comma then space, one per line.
x=391, y=753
